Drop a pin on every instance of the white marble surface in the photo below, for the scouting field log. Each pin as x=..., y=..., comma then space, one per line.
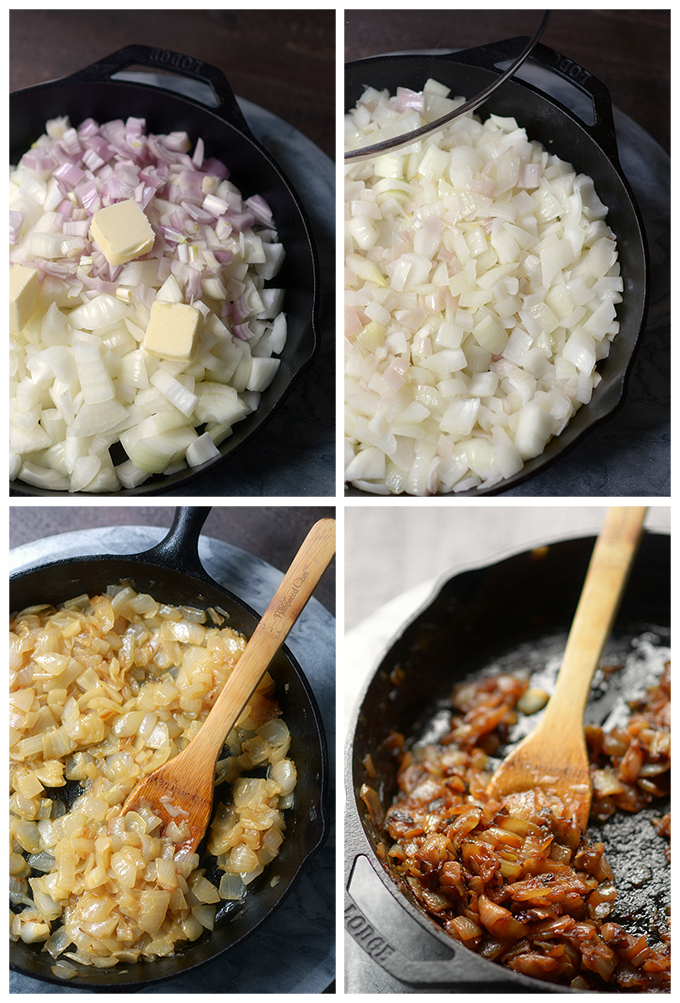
x=298, y=940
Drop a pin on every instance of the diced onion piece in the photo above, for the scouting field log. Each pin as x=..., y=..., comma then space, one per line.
x=262, y=372
x=284, y=774
x=231, y=887
x=201, y=450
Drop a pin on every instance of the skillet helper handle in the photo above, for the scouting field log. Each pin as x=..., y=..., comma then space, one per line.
x=456, y=971
x=164, y=61
x=602, y=130
x=178, y=550
x=368, y=927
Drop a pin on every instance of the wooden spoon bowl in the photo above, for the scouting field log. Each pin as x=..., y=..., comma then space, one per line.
x=551, y=763
x=186, y=783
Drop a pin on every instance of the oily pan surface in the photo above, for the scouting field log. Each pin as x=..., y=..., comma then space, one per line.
x=546, y=121
x=250, y=169
x=57, y=582
x=516, y=615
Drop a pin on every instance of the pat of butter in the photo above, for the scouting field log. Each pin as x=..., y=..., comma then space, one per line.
x=23, y=296
x=173, y=330
x=122, y=232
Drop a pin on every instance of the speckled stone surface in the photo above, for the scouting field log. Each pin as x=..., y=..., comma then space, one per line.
x=298, y=940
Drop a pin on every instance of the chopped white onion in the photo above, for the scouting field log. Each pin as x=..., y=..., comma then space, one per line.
x=201, y=450
x=481, y=284
x=80, y=373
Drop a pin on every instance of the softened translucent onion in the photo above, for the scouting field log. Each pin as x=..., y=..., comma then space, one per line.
x=131, y=680
x=284, y=774
x=231, y=887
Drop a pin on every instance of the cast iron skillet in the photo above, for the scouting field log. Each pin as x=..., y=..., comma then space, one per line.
x=92, y=92
x=590, y=148
x=512, y=614
x=172, y=573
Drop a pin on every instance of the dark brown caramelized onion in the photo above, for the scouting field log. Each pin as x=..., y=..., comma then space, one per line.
x=515, y=883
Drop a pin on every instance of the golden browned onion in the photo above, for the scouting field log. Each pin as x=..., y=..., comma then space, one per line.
x=101, y=692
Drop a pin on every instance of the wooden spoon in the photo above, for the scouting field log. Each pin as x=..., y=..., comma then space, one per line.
x=553, y=759
x=187, y=781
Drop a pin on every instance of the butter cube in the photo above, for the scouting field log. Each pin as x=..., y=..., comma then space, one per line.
x=173, y=330
x=23, y=296
x=122, y=232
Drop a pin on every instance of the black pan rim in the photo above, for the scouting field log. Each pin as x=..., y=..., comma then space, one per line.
x=473, y=566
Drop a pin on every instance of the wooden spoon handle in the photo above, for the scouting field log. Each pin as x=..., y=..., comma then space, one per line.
x=607, y=574
x=290, y=598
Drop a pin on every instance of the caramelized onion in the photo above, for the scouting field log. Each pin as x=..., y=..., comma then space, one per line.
x=512, y=881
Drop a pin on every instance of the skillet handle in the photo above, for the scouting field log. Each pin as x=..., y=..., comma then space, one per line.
x=602, y=130
x=163, y=60
x=178, y=550
x=378, y=931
